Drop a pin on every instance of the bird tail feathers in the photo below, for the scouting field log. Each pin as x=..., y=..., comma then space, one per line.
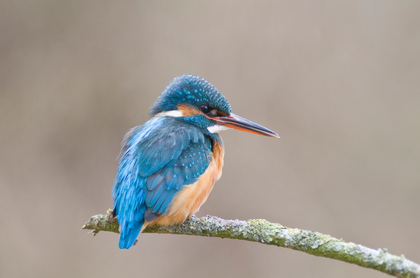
x=129, y=233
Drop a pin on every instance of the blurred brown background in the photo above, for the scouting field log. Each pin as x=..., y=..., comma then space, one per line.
x=339, y=81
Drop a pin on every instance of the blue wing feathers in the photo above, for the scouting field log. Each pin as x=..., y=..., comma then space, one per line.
x=154, y=180
x=161, y=205
x=149, y=216
x=156, y=161
x=153, y=195
x=164, y=207
x=161, y=150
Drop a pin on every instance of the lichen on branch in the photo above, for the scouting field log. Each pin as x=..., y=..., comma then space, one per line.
x=262, y=231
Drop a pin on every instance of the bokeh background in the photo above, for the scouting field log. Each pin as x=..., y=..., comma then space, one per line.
x=338, y=80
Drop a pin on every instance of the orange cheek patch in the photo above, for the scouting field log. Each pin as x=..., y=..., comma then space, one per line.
x=188, y=111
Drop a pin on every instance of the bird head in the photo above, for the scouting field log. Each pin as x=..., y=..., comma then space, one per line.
x=199, y=103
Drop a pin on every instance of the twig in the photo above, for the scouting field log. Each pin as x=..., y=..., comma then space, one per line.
x=262, y=231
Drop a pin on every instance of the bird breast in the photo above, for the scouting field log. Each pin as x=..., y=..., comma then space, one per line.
x=189, y=200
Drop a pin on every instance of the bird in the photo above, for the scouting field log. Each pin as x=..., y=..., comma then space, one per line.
x=168, y=165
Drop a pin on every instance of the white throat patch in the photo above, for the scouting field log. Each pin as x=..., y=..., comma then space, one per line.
x=217, y=128
x=172, y=113
x=178, y=113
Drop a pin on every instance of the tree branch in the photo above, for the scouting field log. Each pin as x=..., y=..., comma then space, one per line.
x=262, y=231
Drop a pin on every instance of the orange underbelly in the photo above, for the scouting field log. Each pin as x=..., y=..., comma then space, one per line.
x=192, y=196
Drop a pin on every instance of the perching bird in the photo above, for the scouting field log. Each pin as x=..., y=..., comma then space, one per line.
x=168, y=166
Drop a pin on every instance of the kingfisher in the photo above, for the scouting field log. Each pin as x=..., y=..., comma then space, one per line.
x=168, y=165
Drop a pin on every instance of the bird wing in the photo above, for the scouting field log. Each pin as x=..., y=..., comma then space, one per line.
x=163, y=185
x=157, y=160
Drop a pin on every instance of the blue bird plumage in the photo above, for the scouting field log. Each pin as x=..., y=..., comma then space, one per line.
x=192, y=90
x=170, y=153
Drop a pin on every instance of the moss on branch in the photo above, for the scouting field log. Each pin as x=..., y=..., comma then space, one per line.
x=262, y=231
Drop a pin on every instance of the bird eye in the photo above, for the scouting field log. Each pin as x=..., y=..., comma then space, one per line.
x=205, y=109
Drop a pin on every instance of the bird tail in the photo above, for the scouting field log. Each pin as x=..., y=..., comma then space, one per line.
x=129, y=232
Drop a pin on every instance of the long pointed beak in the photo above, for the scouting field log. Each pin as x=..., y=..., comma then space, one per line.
x=239, y=123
